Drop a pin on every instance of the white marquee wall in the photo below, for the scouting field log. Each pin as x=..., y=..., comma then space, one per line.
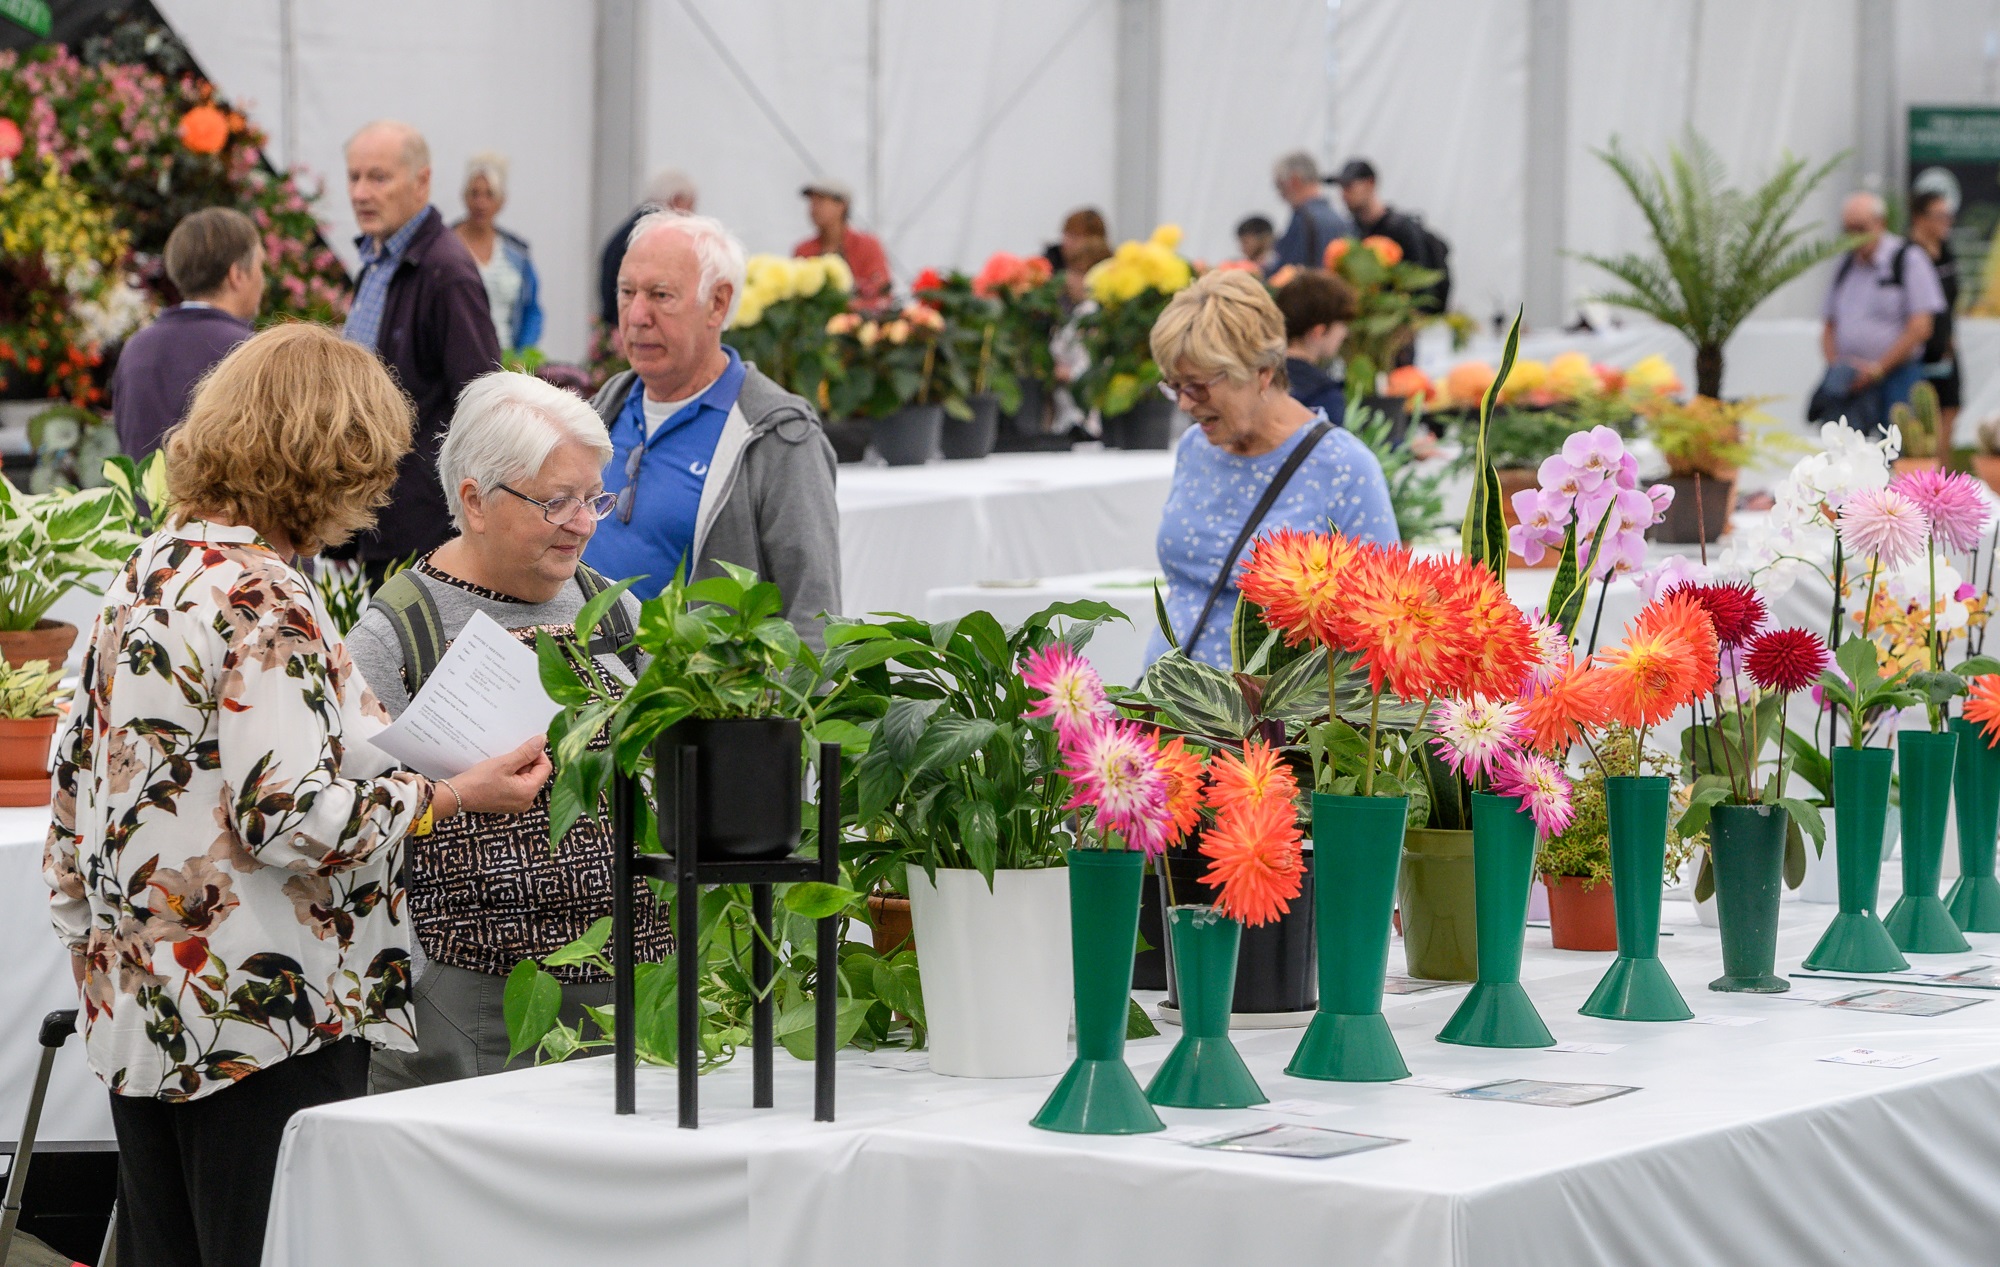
x=994, y=119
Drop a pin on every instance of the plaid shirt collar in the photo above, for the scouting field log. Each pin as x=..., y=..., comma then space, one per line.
x=371, y=289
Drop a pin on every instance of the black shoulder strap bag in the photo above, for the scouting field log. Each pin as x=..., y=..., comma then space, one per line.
x=1257, y=513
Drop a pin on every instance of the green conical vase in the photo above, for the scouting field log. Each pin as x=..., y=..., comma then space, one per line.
x=1357, y=841
x=1498, y=1012
x=1099, y=1095
x=1920, y=923
x=1856, y=940
x=1636, y=987
x=1204, y=1070
x=1974, y=900
x=1746, y=846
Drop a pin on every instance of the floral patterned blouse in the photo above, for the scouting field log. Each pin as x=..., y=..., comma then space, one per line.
x=226, y=844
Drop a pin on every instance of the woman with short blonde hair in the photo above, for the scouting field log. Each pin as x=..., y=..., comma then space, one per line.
x=1256, y=459
x=227, y=847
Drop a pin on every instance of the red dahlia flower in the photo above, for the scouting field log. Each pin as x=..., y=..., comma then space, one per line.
x=1786, y=659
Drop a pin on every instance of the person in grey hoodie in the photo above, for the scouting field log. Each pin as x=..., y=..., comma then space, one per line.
x=712, y=462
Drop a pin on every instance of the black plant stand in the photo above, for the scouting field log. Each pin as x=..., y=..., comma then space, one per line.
x=674, y=767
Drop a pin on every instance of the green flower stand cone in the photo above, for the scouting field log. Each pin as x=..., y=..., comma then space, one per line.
x=1747, y=844
x=1099, y=1095
x=1856, y=940
x=1498, y=1012
x=1357, y=841
x=1974, y=900
x=1636, y=987
x=1204, y=1070
x=1919, y=922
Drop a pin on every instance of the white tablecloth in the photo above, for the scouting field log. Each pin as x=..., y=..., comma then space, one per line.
x=905, y=531
x=1741, y=1147
x=36, y=982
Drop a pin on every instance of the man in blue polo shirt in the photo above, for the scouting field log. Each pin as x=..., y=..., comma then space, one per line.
x=712, y=461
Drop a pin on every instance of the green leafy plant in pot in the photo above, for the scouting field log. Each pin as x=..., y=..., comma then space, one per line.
x=28, y=720
x=50, y=544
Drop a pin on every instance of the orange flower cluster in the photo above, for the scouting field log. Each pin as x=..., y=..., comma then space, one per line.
x=1254, y=849
x=1424, y=627
x=1982, y=705
x=205, y=130
x=1577, y=700
x=1183, y=770
x=1668, y=659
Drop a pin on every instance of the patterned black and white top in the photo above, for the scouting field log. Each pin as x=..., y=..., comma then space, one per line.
x=485, y=890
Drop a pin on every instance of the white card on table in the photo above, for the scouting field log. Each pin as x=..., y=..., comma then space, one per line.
x=1724, y=1018
x=483, y=699
x=1589, y=1049
x=1439, y=1082
x=1877, y=1059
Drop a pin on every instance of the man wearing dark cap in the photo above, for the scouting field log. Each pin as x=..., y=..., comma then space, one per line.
x=1375, y=218
x=827, y=203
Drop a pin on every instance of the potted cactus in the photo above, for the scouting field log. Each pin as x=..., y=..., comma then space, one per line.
x=1921, y=428
x=27, y=728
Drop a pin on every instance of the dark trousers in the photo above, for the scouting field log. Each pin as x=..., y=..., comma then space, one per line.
x=194, y=1179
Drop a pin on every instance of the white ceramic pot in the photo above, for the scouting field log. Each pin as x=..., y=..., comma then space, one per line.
x=1822, y=882
x=996, y=970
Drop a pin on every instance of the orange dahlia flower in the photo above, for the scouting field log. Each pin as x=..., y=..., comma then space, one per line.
x=1257, y=777
x=1576, y=700
x=1336, y=251
x=1296, y=578
x=1497, y=645
x=205, y=130
x=1388, y=250
x=1982, y=705
x=1668, y=659
x=1394, y=612
x=1254, y=861
x=1184, y=771
x=1684, y=615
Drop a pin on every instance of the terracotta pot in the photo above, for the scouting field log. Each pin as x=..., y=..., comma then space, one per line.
x=889, y=924
x=1988, y=467
x=1580, y=918
x=24, y=760
x=1905, y=465
x=49, y=640
x=1691, y=518
x=1518, y=479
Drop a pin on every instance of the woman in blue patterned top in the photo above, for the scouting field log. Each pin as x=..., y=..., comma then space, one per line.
x=1221, y=347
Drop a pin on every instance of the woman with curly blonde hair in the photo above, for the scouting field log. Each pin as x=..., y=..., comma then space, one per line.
x=226, y=849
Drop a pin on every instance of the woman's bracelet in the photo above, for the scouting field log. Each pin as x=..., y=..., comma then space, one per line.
x=457, y=801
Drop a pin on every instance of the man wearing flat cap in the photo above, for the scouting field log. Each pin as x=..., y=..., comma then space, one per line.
x=827, y=203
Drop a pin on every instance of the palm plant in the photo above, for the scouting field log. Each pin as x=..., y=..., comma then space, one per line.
x=1718, y=251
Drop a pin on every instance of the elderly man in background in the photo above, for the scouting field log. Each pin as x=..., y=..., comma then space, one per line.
x=215, y=259
x=712, y=462
x=1878, y=315
x=1315, y=221
x=670, y=190
x=420, y=306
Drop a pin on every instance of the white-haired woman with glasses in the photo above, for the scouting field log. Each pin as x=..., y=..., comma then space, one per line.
x=1220, y=346
x=522, y=469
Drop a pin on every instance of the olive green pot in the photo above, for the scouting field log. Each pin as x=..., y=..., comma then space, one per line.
x=1435, y=892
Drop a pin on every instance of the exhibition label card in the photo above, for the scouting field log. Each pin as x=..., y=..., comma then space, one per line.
x=1559, y=1095
x=1301, y=1108
x=1877, y=1059
x=1983, y=978
x=1311, y=1142
x=1590, y=1049
x=1903, y=1003
x=1804, y=992
x=484, y=698
x=1724, y=1018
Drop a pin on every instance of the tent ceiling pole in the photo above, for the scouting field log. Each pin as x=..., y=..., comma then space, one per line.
x=1136, y=136
x=618, y=107
x=1547, y=185
x=1875, y=129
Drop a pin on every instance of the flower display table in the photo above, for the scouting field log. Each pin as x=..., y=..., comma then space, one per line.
x=1734, y=1127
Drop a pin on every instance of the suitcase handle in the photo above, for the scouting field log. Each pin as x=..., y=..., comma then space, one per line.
x=57, y=1027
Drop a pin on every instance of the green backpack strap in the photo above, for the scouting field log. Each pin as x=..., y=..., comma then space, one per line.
x=615, y=632
x=413, y=614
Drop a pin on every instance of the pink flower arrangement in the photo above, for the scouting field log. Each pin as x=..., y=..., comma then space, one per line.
x=1883, y=524
x=1117, y=769
x=1952, y=502
x=1592, y=482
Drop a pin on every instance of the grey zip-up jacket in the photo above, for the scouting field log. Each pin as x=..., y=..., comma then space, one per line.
x=768, y=500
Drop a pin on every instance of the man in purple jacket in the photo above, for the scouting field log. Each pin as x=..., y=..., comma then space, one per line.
x=419, y=303
x=216, y=261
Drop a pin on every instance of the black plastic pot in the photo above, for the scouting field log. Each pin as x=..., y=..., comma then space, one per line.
x=850, y=438
x=1149, y=424
x=910, y=436
x=1276, y=967
x=749, y=773
x=974, y=437
x=1027, y=420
